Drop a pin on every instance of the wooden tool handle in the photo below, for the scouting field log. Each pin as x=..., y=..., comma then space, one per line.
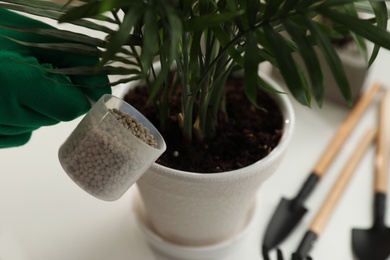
x=338, y=188
x=345, y=129
x=382, y=151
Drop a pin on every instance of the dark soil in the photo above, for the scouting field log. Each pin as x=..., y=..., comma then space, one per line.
x=248, y=135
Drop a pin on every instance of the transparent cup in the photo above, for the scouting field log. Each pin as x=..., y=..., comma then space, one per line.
x=105, y=158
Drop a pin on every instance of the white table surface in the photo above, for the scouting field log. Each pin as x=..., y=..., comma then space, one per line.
x=45, y=216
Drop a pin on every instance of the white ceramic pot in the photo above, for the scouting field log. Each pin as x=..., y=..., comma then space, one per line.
x=190, y=208
x=166, y=250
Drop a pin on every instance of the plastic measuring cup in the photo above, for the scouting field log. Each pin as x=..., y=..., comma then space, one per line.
x=102, y=156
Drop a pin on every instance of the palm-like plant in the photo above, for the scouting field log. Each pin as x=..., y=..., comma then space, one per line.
x=208, y=39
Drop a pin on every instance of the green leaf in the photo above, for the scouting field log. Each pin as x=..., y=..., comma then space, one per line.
x=87, y=71
x=203, y=22
x=120, y=37
x=175, y=31
x=93, y=8
x=125, y=80
x=266, y=86
x=331, y=58
x=55, y=15
x=254, y=7
x=366, y=8
x=251, y=66
x=158, y=81
x=310, y=59
x=59, y=34
x=287, y=66
x=271, y=8
x=381, y=15
x=330, y=32
x=288, y=6
x=47, y=5
x=149, y=46
x=360, y=41
x=337, y=3
x=376, y=34
x=265, y=53
x=226, y=43
x=196, y=61
x=74, y=48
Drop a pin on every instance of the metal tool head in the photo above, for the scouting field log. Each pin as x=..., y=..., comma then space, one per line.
x=285, y=218
x=279, y=255
x=371, y=244
x=295, y=256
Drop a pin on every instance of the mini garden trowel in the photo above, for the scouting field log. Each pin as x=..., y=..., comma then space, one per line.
x=290, y=212
x=324, y=213
x=318, y=224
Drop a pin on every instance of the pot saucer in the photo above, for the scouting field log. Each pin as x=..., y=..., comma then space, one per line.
x=166, y=250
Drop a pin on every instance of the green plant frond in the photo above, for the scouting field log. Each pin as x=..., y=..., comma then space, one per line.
x=272, y=8
x=112, y=84
x=228, y=44
x=366, y=7
x=252, y=16
x=360, y=42
x=196, y=57
x=309, y=58
x=375, y=34
x=158, y=82
x=333, y=60
x=265, y=53
x=338, y=3
x=263, y=84
x=126, y=80
x=288, y=6
x=307, y=4
x=124, y=60
x=207, y=119
x=60, y=34
x=381, y=15
x=55, y=16
x=251, y=66
x=48, y=13
x=45, y=5
x=94, y=8
x=332, y=33
x=120, y=37
x=175, y=32
x=207, y=21
x=206, y=7
x=287, y=66
x=362, y=45
x=74, y=48
x=88, y=71
x=150, y=39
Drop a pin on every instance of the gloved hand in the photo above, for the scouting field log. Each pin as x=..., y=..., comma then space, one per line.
x=29, y=96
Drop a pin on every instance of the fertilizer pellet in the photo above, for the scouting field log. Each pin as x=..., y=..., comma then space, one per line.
x=100, y=159
x=137, y=129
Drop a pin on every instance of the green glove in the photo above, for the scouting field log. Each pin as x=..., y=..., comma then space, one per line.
x=29, y=96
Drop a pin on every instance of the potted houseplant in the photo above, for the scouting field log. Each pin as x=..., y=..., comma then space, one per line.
x=204, y=42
